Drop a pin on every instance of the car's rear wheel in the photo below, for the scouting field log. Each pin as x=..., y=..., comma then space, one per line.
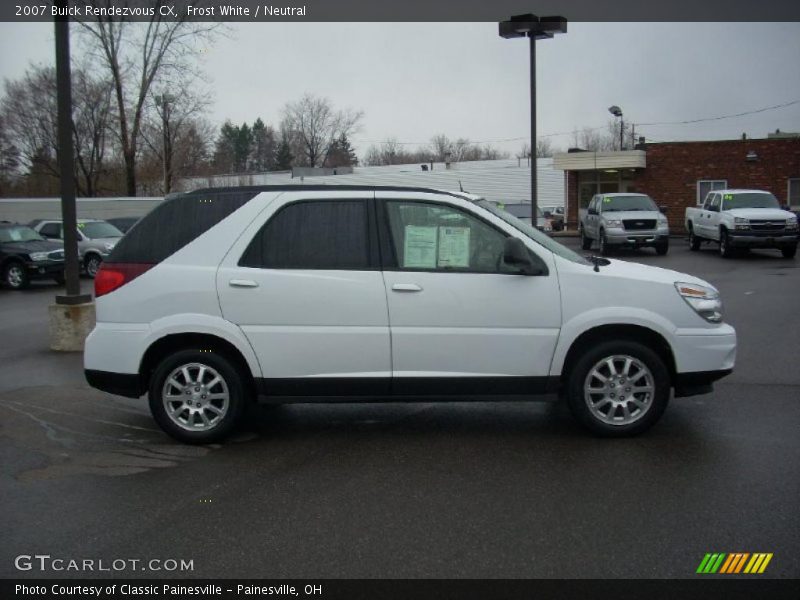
x=694, y=241
x=92, y=265
x=618, y=388
x=197, y=397
x=586, y=242
x=15, y=276
x=789, y=251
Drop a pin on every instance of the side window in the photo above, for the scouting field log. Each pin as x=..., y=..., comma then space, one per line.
x=51, y=231
x=324, y=234
x=714, y=204
x=704, y=186
x=593, y=203
x=438, y=237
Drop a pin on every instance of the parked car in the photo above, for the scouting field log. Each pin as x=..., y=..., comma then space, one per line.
x=25, y=256
x=624, y=219
x=555, y=214
x=123, y=223
x=742, y=219
x=524, y=212
x=306, y=293
x=96, y=239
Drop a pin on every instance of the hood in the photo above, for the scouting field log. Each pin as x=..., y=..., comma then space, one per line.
x=632, y=214
x=760, y=213
x=110, y=240
x=31, y=246
x=621, y=268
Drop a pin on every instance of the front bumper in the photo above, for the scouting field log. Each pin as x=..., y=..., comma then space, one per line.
x=44, y=269
x=702, y=356
x=762, y=239
x=620, y=237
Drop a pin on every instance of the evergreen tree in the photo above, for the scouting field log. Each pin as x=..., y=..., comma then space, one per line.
x=341, y=153
x=283, y=156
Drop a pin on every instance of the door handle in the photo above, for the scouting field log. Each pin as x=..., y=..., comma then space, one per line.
x=243, y=283
x=406, y=287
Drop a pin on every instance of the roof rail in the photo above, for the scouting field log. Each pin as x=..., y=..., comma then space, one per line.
x=302, y=187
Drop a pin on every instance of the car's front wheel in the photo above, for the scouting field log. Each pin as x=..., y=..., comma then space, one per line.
x=725, y=248
x=618, y=388
x=586, y=242
x=694, y=241
x=15, y=276
x=789, y=251
x=662, y=248
x=197, y=396
x=602, y=245
x=92, y=265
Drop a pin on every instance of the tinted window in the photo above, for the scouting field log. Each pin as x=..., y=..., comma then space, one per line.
x=323, y=234
x=18, y=233
x=176, y=222
x=750, y=201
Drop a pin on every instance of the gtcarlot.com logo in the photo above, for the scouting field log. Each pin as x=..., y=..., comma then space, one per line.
x=734, y=563
x=45, y=562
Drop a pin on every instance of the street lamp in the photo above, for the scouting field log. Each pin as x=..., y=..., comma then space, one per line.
x=534, y=28
x=617, y=112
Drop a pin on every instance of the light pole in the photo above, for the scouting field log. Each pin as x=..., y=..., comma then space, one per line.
x=617, y=112
x=534, y=28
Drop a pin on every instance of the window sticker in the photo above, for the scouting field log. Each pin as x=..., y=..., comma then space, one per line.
x=454, y=246
x=606, y=200
x=419, y=247
x=728, y=196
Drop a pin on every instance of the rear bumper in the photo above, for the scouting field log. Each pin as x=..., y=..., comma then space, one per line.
x=121, y=384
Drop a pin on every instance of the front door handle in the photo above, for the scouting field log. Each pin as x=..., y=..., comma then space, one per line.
x=406, y=287
x=243, y=283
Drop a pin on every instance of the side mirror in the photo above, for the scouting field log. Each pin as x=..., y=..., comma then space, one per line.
x=664, y=208
x=592, y=211
x=516, y=253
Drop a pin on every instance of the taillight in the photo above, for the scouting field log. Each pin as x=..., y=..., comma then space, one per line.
x=114, y=275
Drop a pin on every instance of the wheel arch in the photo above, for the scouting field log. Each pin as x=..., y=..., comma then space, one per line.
x=175, y=342
x=614, y=332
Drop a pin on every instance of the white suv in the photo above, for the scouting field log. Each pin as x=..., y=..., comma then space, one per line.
x=329, y=293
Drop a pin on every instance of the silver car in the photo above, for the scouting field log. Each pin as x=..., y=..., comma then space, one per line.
x=96, y=239
x=624, y=219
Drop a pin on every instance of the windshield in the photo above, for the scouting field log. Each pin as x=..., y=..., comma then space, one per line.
x=99, y=229
x=533, y=233
x=730, y=201
x=18, y=234
x=627, y=202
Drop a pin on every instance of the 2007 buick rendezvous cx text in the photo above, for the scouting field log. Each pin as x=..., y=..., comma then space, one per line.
x=330, y=293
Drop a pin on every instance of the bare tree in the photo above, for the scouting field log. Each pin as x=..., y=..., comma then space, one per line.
x=524, y=151
x=29, y=111
x=544, y=148
x=314, y=125
x=9, y=158
x=441, y=147
x=139, y=56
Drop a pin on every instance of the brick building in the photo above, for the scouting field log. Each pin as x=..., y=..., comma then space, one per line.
x=678, y=174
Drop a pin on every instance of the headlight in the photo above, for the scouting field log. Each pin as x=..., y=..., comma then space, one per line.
x=613, y=223
x=705, y=301
x=791, y=223
x=740, y=223
x=109, y=246
x=662, y=220
x=38, y=256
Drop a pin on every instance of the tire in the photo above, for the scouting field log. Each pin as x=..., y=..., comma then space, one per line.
x=217, y=407
x=586, y=242
x=15, y=276
x=92, y=264
x=662, y=249
x=789, y=251
x=694, y=241
x=725, y=249
x=603, y=244
x=599, y=418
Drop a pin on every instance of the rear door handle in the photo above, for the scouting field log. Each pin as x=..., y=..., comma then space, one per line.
x=406, y=287
x=243, y=283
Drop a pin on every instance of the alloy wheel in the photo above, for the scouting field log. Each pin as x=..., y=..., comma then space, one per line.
x=619, y=390
x=195, y=397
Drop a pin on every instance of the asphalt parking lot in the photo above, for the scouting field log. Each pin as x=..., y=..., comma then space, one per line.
x=423, y=490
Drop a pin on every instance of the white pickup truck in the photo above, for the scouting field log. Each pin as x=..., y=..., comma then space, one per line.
x=742, y=219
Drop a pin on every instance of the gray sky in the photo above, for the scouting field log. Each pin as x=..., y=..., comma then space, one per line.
x=414, y=80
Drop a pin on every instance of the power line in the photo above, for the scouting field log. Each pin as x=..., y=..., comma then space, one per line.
x=548, y=135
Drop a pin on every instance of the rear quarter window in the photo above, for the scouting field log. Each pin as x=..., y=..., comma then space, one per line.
x=175, y=223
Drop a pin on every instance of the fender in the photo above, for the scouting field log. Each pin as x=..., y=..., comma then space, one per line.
x=204, y=324
x=573, y=328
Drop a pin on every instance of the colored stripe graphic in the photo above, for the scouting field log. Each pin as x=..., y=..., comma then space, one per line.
x=734, y=563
